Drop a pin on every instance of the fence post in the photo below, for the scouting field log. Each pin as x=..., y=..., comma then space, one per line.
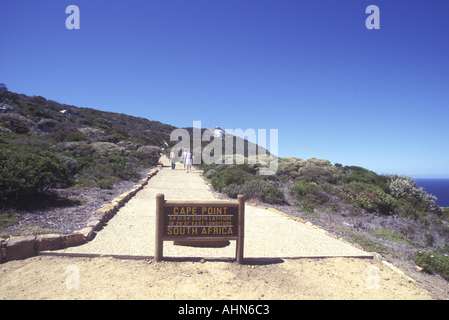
x=158, y=252
x=241, y=228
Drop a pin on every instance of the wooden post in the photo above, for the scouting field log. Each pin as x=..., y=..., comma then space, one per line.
x=159, y=248
x=240, y=241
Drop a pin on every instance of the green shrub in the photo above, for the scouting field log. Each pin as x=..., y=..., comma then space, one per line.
x=319, y=174
x=62, y=130
x=70, y=163
x=90, y=176
x=302, y=188
x=232, y=190
x=210, y=173
x=26, y=174
x=266, y=190
x=75, y=136
x=290, y=166
x=7, y=219
x=433, y=263
x=106, y=183
x=359, y=174
x=20, y=128
x=144, y=159
x=445, y=214
x=404, y=187
x=123, y=168
x=234, y=175
x=365, y=196
x=307, y=207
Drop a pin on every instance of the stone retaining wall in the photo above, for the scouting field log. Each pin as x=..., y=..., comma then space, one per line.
x=27, y=246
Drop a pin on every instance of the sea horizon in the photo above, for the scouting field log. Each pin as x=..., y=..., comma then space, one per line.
x=439, y=187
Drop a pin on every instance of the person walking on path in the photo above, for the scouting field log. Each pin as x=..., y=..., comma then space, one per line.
x=184, y=157
x=189, y=160
x=172, y=160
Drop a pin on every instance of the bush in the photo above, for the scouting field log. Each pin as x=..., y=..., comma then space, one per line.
x=266, y=190
x=75, y=136
x=210, y=173
x=106, y=183
x=290, y=166
x=62, y=130
x=235, y=175
x=20, y=128
x=233, y=190
x=151, y=150
x=359, y=174
x=123, y=168
x=319, y=172
x=433, y=263
x=405, y=187
x=96, y=175
x=26, y=174
x=302, y=188
x=371, y=198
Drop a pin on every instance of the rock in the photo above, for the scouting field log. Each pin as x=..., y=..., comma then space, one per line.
x=418, y=268
x=72, y=240
x=94, y=223
x=88, y=233
x=20, y=248
x=48, y=242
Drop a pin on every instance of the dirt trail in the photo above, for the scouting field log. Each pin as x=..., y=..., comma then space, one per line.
x=46, y=277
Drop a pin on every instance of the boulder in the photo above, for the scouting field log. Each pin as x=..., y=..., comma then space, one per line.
x=72, y=240
x=94, y=223
x=20, y=248
x=48, y=242
x=88, y=233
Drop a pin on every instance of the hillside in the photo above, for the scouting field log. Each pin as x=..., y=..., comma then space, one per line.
x=46, y=147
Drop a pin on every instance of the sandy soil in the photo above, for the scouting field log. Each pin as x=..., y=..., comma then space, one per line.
x=48, y=277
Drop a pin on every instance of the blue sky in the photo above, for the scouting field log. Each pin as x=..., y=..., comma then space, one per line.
x=311, y=69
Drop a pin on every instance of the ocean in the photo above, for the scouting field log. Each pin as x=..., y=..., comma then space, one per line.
x=438, y=187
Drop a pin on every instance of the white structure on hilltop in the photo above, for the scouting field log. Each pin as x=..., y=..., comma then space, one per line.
x=219, y=132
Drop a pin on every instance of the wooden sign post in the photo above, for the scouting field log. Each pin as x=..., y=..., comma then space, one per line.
x=200, y=221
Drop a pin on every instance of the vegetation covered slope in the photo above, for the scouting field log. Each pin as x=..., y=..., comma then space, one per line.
x=42, y=146
x=387, y=214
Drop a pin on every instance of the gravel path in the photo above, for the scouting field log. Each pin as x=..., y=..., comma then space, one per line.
x=267, y=234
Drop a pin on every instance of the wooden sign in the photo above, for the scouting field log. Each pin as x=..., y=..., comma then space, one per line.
x=199, y=221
